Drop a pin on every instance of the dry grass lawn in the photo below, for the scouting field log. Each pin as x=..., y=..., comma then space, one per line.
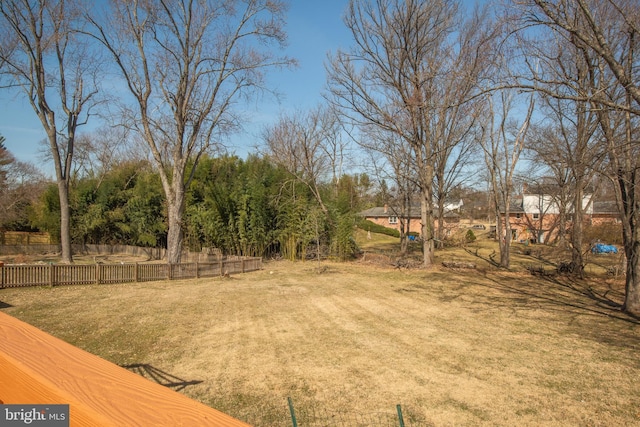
x=455, y=348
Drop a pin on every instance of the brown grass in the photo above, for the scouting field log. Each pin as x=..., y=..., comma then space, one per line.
x=476, y=347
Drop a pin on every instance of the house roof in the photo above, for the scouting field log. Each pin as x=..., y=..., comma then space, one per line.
x=382, y=211
x=599, y=208
x=606, y=207
x=515, y=206
x=377, y=211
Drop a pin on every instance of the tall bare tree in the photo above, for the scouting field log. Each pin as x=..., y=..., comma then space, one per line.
x=454, y=160
x=299, y=143
x=571, y=147
x=101, y=150
x=413, y=68
x=187, y=63
x=607, y=33
x=621, y=131
x=503, y=140
x=398, y=167
x=43, y=55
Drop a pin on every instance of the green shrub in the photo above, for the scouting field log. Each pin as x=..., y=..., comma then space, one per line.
x=470, y=236
x=367, y=225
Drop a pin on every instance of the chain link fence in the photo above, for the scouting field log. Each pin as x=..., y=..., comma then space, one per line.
x=312, y=415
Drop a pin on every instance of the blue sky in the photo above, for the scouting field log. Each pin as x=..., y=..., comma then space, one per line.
x=314, y=28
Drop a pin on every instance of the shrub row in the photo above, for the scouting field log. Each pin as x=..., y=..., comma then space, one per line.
x=367, y=225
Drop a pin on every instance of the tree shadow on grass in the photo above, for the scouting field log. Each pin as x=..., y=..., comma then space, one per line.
x=159, y=376
x=4, y=305
x=594, y=295
x=489, y=259
x=566, y=293
x=598, y=299
x=533, y=255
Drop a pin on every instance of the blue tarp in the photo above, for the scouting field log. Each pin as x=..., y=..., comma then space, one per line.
x=601, y=248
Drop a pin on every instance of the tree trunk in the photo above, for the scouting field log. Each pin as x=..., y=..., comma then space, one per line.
x=503, y=229
x=404, y=241
x=505, y=243
x=427, y=231
x=65, y=222
x=562, y=221
x=175, y=207
x=440, y=233
x=405, y=223
x=628, y=188
x=632, y=284
x=576, y=233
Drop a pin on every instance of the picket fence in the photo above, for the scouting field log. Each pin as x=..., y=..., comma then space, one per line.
x=14, y=276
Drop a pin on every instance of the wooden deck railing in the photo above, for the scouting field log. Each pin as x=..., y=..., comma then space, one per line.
x=38, y=368
x=13, y=276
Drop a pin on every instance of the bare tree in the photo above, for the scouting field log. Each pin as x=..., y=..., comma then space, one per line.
x=336, y=145
x=550, y=173
x=20, y=190
x=299, y=143
x=101, y=150
x=571, y=149
x=398, y=167
x=186, y=64
x=607, y=34
x=43, y=55
x=570, y=146
x=503, y=141
x=413, y=67
x=20, y=186
x=453, y=161
x=621, y=133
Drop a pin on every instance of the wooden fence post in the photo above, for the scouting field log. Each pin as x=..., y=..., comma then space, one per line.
x=135, y=272
x=97, y=274
x=51, y=274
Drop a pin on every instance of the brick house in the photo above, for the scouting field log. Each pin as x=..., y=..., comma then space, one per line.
x=535, y=216
x=390, y=218
x=605, y=213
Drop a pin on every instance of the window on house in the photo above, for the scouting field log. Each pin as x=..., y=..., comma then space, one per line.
x=393, y=220
x=518, y=215
x=536, y=216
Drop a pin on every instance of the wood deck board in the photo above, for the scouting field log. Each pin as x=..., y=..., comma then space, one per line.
x=38, y=368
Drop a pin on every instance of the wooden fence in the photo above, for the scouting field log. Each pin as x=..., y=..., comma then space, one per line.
x=33, y=249
x=205, y=255
x=24, y=238
x=14, y=276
